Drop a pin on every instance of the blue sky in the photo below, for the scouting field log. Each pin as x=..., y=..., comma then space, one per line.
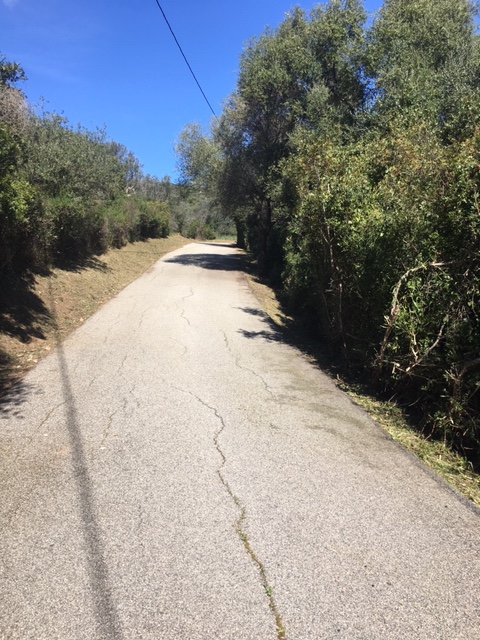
x=115, y=64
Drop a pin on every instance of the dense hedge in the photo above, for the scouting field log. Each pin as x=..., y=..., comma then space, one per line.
x=349, y=156
x=384, y=249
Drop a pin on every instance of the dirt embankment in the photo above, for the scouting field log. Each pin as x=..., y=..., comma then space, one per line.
x=37, y=311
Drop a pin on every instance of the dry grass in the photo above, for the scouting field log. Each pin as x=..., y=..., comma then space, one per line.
x=37, y=311
x=453, y=468
x=437, y=455
x=269, y=301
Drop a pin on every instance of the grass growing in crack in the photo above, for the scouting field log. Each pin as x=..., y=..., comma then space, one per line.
x=281, y=633
x=242, y=534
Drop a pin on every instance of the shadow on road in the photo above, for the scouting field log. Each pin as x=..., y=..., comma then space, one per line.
x=13, y=394
x=210, y=261
x=212, y=243
x=106, y=617
x=272, y=334
x=255, y=312
x=266, y=335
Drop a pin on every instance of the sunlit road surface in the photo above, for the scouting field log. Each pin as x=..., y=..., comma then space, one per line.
x=176, y=471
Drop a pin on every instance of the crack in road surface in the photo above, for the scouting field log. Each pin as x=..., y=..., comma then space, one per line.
x=240, y=524
x=182, y=310
x=106, y=431
x=236, y=359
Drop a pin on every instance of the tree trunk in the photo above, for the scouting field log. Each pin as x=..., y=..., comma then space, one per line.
x=240, y=228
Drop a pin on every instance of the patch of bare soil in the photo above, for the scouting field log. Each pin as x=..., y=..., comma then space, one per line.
x=37, y=311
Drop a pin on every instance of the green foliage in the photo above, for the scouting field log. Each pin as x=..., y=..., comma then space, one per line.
x=153, y=219
x=349, y=157
x=197, y=215
x=202, y=210
x=197, y=155
x=10, y=72
x=420, y=55
x=66, y=192
x=17, y=202
x=128, y=219
x=305, y=75
x=76, y=226
x=59, y=159
x=383, y=249
x=151, y=188
x=197, y=229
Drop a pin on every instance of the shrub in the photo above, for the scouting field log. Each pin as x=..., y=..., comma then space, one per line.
x=153, y=219
x=197, y=229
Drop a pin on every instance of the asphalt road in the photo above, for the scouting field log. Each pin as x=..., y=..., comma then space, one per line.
x=174, y=471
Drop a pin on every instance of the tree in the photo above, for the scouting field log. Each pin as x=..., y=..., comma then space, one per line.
x=197, y=157
x=422, y=55
x=306, y=75
x=204, y=209
x=352, y=156
x=16, y=195
x=10, y=73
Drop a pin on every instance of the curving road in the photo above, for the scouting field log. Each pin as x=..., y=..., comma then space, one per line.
x=174, y=471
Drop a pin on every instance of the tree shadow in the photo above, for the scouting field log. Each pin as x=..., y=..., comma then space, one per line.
x=297, y=331
x=12, y=392
x=255, y=312
x=24, y=315
x=227, y=243
x=215, y=262
x=272, y=333
x=22, y=312
x=80, y=264
x=266, y=335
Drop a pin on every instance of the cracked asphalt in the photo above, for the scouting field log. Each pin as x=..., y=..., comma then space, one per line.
x=176, y=471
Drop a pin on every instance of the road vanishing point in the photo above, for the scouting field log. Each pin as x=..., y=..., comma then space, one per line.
x=176, y=471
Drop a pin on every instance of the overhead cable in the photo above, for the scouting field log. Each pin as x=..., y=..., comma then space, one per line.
x=185, y=58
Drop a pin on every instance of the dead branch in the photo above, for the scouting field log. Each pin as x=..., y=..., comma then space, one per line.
x=395, y=309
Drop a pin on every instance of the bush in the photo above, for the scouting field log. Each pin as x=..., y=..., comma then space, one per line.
x=197, y=229
x=77, y=227
x=153, y=219
x=128, y=219
x=120, y=219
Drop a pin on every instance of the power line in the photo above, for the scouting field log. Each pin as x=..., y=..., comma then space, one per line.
x=185, y=58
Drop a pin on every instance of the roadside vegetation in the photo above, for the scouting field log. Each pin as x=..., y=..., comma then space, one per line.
x=67, y=193
x=436, y=453
x=349, y=159
x=347, y=162
x=79, y=220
